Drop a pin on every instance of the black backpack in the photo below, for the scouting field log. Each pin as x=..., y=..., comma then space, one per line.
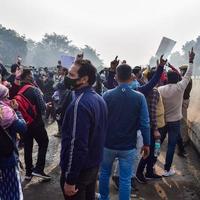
x=6, y=144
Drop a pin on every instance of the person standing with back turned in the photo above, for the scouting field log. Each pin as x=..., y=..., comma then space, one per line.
x=172, y=95
x=126, y=110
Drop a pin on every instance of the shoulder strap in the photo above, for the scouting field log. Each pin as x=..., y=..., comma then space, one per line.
x=14, y=144
x=24, y=88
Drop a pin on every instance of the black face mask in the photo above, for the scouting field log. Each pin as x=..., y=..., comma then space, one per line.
x=71, y=83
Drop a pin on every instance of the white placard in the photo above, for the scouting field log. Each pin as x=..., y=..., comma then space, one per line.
x=67, y=61
x=165, y=47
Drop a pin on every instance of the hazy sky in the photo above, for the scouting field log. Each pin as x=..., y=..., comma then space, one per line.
x=128, y=28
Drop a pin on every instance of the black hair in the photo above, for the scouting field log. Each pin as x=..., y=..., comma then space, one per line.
x=14, y=68
x=51, y=75
x=136, y=70
x=124, y=72
x=25, y=73
x=86, y=69
x=65, y=70
x=173, y=77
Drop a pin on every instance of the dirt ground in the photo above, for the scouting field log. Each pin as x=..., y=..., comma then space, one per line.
x=185, y=185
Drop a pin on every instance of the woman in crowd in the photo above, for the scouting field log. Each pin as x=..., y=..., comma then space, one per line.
x=11, y=122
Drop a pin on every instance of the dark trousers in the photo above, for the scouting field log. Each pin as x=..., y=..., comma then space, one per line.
x=173, y=130
x=180, y=144
x=149, y=162
x=40, y=135
x=86, y=185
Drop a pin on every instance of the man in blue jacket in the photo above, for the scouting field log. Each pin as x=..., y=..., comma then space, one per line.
x=83, y=134
x=126, y=108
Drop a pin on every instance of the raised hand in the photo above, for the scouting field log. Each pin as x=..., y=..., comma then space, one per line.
x=114, y=63
x=124, y=62
x=191, y=55
x=79, y=56
x=162, y=62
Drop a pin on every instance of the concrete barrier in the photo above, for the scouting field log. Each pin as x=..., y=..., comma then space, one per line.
x=194, y=114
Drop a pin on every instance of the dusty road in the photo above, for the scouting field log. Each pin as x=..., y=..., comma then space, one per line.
x=185, y=185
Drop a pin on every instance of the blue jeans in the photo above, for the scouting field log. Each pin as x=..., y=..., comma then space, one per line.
x=137, y=157
x=174, y=131
x=126, y=160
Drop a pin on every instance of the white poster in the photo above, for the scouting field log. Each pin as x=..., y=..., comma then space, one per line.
x=165, y=47
x=67, y=61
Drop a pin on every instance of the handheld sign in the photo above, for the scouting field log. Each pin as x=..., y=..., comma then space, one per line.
x=165, y=48
x=67, y=61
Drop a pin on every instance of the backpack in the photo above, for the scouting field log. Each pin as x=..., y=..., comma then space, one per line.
x=27, y=109
x=6, y=144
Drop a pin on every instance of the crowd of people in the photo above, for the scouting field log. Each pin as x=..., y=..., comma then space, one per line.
x=111, y=123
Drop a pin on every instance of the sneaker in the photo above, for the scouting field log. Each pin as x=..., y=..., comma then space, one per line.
x=116, y=182
x=41, y=175
x=152, y=176
x=28, y=177
x=97, y=196
x=171, y=172
x=141, y=178
x=133, y=195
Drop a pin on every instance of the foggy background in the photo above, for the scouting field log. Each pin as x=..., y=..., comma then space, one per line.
x=130, y=29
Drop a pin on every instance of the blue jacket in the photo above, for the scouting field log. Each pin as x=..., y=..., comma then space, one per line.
x=18, y=126
x=146, y=88
x=126, y=109
x=83, y=134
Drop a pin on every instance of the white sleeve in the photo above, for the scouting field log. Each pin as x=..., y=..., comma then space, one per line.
x=186, y=79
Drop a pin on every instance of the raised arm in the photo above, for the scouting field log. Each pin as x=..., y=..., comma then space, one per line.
x=173, y=69
x=186, y=79
x=155, y=79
